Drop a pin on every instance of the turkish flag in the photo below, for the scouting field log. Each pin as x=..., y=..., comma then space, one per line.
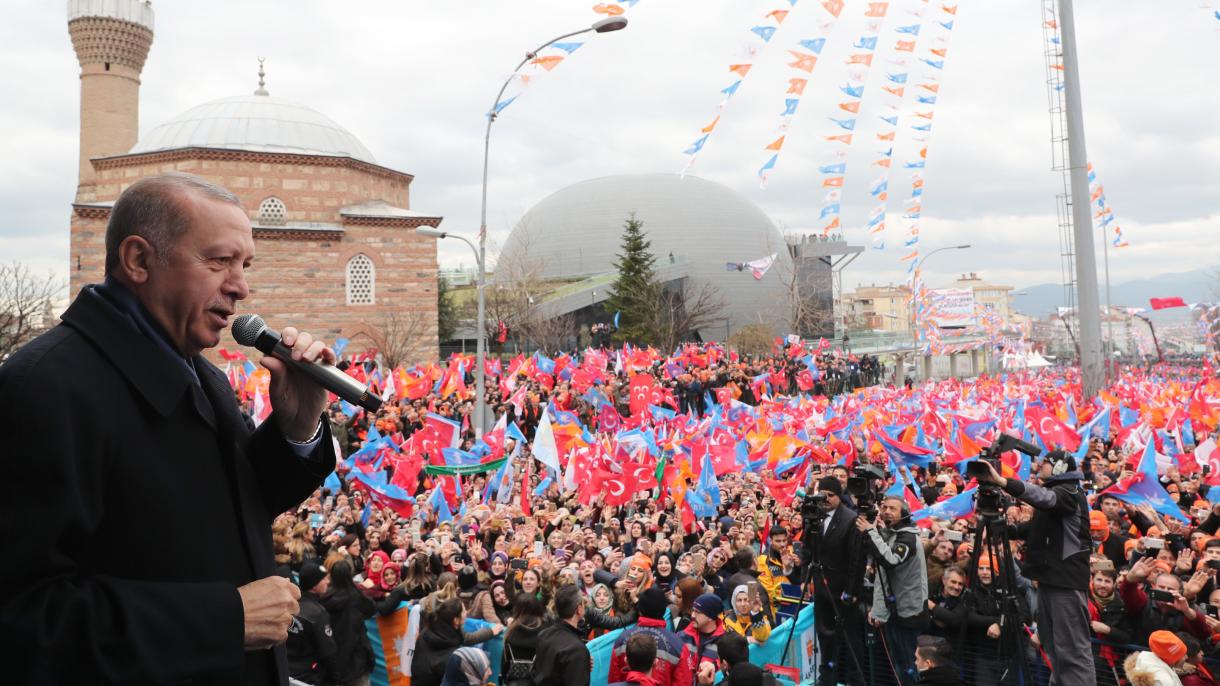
x=1052, y=430
x=608, y=418
x=804, y=380
x=641, y=476
x=614, y=488
x=724, y=395
x=1166, y=303
x=641, y=392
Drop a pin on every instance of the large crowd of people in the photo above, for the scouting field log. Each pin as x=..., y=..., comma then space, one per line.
x=550, y=556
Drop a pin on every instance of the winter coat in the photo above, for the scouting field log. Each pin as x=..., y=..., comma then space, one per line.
x=1146, y=669
x=478, y=605
x=898, y=553
x=945, y=675
x=562, y=658
x=1057, y=542
x=698, y=649
x=348, y=611
x=311, y=643
x=668, y=670
x=520, y=643
x=751, y=626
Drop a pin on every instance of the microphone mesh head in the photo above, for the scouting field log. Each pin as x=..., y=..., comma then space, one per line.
x=247, y=327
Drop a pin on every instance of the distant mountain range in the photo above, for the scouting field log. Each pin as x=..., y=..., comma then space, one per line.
x=1200, y=285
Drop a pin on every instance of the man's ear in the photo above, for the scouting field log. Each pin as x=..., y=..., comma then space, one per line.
x=135, y=257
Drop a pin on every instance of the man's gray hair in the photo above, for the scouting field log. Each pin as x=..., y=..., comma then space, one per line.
x=151, y=209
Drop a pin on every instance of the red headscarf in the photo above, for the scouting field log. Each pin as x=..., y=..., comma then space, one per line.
x=375, y=577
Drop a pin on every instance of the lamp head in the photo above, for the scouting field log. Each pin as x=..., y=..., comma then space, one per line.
x=610, y=24
x=430, y=231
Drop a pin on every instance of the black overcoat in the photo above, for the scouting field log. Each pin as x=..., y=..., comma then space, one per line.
x=135, y=503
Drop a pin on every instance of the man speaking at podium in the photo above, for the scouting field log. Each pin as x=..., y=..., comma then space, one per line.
x=138, y=505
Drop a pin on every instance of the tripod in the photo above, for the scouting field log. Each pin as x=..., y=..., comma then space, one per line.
x=992, y=536
x=811, y=569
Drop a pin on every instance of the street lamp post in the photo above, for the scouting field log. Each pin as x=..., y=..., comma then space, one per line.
x=911, y=312
x=480, y=407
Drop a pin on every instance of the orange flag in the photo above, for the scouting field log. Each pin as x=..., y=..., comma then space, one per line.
x=549, y=62
x=905, y=46
x=803, y=62
x=940, y=52
x=895, y=90
x=797, y=86
x=877, y=9
x=878, y=228
x=740, y=69
x=885, y=136
x=778, y=15
x=853, y=107
x=917, y=183
x=951, y=9
x=934, y=87
x=709, y=127
x=843, y=138
x=777, y=144
x=866, y=58
x=884, y=162
x=608, y=9
x=834, y=224
x=833, y=182
x=833, y=6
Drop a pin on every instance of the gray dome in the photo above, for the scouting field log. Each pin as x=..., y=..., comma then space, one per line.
x=576, y=232
x=259, y=123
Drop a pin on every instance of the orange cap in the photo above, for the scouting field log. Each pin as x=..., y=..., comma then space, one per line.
x=1098, y=521
x=1167, y=646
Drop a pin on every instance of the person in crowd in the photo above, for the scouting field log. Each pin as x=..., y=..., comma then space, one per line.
x=521, y=640
x=476, y=599
x=1173, y=613
x=684, y=595
x=311, y=645
x=502, y=603
x=1107, y=616
x=745, y=615
x=1057, y=557
x=747, y=573
x=901, y=590
x=1156, y=666
x=1194, y=671
x=467, y=666
x=699, y=656
x=934, y=662
x=669, y=669
x=562, y=658
x=939, y=554
x=987, y=615
x=733, y=651
x=947, y=607
x=349, y=609
x=776, y=567
x=835, y=621
x=640, y=652
x=443, y=636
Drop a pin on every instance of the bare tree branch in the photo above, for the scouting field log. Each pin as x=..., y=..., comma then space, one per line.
x=26, y=305
x=401, y=336
x=682, y=310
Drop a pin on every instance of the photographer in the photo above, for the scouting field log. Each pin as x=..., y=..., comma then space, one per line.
x=900, y=591
x=1057, y=557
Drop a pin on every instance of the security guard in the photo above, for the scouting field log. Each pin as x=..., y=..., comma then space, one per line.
x=311, y=643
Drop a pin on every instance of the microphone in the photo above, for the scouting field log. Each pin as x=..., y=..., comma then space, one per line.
x=251, y=330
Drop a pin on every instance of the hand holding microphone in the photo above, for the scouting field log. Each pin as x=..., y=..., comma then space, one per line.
x=299, y=396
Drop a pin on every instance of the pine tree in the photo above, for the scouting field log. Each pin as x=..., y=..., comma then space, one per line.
x=634, y=291
x=446, y=311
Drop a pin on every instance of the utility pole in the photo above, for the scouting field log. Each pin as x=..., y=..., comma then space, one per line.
x=1092, y=372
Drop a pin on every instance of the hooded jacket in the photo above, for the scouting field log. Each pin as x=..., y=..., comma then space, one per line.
x=668, y=670
x=1146, y=669
x=898, y=553
x=1057, y=542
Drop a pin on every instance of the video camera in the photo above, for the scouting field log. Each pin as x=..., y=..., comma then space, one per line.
x=865, y=487
x=990, y=501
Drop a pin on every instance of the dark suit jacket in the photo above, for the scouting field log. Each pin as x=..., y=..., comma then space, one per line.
x=137, y=502
x=835, y=549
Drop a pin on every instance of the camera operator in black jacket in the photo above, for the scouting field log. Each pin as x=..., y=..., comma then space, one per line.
x=1057, y=557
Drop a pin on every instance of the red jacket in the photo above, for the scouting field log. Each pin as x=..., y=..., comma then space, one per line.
x=668, y=670
x=634, y=678
x=700, y=649
x=1201, y=677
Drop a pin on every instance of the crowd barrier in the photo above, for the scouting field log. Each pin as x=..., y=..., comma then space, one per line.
x=393, y=642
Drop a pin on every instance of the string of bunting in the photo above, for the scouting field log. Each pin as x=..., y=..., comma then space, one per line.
x=928, y=92
x=761, y=37
x=906, y=40
x=1103, y=214
x=834, y=174
x=552, y=56
x=804, y=60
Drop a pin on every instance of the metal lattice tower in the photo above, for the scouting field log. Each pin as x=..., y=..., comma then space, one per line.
x=1053, y=54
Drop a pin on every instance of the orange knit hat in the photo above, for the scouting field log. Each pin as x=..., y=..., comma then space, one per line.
x=1167, y=646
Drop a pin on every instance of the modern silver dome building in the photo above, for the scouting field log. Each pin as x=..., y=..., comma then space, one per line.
x=696, y=226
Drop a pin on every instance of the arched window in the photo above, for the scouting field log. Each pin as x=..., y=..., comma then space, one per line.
x=272, y=212
x=361, y=280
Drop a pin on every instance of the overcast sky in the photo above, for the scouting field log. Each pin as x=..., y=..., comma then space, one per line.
x=412, y=80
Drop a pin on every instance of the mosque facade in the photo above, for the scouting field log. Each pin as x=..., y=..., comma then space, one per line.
x=336, y=251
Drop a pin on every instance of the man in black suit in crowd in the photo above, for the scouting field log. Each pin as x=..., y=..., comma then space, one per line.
x=138, y=505
x=835, y=618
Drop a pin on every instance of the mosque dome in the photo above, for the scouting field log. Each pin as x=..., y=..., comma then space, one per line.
x=701, y=225
x=257, y=123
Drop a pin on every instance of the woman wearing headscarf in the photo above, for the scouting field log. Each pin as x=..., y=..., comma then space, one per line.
x=501, y=601
x=373, y=567
x=746, y=616
x=467, y=667
x=664, y=573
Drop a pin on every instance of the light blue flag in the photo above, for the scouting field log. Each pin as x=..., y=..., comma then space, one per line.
x=830, y=209
x=897, y=78
x=697, y=145
x=892, y=121
x=927, y=99
x=567, y=47
x=339, y=346
x=846, y=124
x=916, y=165
x=853, y=91
x=814, y=45
x=790, y=106
x=935, y=64
x=764, y=32
x=732, y=89
x=913, y=29
x=839, y=168
x=866, y=43
x=947, y=24
x=500, y=106
x=770, y=164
